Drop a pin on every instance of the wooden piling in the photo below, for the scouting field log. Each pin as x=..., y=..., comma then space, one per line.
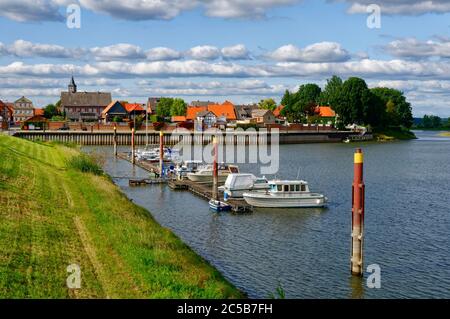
x=358, y=190
x=161, y=153
x=133, y=157
x=115, y=140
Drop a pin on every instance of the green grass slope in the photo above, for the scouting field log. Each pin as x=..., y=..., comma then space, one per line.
x=52, y=216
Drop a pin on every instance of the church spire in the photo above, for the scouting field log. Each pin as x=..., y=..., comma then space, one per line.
x=72, y=86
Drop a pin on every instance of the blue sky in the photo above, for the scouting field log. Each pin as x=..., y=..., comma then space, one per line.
x=238, y=50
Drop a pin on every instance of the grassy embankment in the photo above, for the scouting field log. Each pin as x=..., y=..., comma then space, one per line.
x=445, y=134
x=394, y=134
x=52, y=216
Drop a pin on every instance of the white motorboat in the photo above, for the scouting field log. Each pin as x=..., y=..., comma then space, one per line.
x=205, y=173
x=285, y=194
x=236, y=184
x=187, y=166
x=219, y=206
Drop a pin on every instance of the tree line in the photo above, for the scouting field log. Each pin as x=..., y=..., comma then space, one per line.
x=433, y=122
x=352, y=100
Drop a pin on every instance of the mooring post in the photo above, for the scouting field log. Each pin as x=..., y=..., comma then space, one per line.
x=215, y=194
x=133, y=157
x=115, y=140
x=161, y=153
x=358, y=189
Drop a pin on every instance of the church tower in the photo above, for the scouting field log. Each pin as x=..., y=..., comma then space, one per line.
x=72, y=86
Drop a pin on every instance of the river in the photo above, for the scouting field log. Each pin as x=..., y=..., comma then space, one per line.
x=307, y=252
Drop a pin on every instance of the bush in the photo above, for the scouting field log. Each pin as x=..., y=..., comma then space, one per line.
x=85, y=164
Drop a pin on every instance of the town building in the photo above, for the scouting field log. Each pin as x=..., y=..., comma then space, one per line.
x=208, y=118
x=122, y=111
x=152, y=103
x=244, y=112
x=83, y=106
x=23, y=109
x=201, y=103
x=224, y=112
x=327, y=114
x=6, y=115
x=263, y=117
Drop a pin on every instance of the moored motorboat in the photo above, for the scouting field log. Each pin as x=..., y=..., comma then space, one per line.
x=285, y=194
x=219, y=206
x=236, y=184
x=205, y=174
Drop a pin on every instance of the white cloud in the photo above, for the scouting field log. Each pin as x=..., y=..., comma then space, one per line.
x=413, y=48
x=140, y=9
x=22, y=48
x=203, y=52
x=118, y=51
x=212, y=88
x=30, y=10
x=400, y=7
x=162, y=54
x=235, y=52
x=317, y=52
x=242, y=8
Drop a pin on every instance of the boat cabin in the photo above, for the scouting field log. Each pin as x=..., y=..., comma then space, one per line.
x=289, y=186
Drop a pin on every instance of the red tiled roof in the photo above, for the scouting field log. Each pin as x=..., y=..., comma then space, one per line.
x=191, y=112
x=130, y=107
x=178, y=118
x=225, y=109
x=39, y=112
x=277, y=111
x=325, y=111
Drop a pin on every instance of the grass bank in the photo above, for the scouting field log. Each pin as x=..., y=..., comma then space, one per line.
x=52, y=215
x=393, y=135
x=445, y=134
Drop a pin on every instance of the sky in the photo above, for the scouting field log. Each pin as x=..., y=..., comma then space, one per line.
x=237, y=50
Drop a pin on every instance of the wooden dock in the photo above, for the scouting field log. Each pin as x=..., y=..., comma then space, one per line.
x=205, y=191
x=199, y=189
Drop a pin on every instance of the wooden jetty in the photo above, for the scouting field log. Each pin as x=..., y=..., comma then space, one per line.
x=204, y=191
x=199, y=189
x=146, y=181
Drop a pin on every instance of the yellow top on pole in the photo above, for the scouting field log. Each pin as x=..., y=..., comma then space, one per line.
x=161, y=133
x=359, y=158
x=132, y=130
x=214, y=140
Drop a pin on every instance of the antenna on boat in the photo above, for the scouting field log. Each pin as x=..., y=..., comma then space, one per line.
x=298, y=173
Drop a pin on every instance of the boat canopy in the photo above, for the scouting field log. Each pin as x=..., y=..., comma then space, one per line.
x=279, y=186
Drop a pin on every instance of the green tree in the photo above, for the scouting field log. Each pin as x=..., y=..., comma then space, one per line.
x=436, y=121
x=304, y=101
x=50, y=111
x=330, y=95
x=178, y=107
x=398, y=109
x=286, y=100
x=268, y=104
x=354, y=101
x=164, y=106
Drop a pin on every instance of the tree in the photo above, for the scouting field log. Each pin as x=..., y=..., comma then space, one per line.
x=164, y=106
x=436, y=122
x=354, y=101
x=305, y=101
x=50, y=111
x=398, y=109
x=268, y=104
x=178, y=107
x=330, y=95
x=286, y=98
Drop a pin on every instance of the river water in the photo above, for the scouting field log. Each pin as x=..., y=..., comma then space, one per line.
x=306, y=252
